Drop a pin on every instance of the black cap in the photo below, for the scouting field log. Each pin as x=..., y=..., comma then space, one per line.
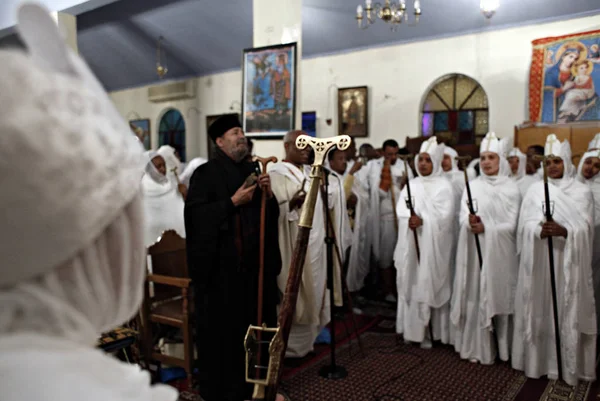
x=222, y=125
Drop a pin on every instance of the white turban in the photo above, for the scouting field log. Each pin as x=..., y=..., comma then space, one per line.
x=71, y=229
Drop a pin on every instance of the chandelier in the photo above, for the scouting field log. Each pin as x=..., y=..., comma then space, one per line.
x=489, y=7
x=391, y=12
x=161, y=69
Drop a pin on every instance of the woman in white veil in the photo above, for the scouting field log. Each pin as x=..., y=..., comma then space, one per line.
x=72, y=231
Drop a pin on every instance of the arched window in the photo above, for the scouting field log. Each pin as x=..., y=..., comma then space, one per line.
x=171, y=131
x=455, y=108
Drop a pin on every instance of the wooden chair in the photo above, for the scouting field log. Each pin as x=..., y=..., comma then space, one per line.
x=171, y=303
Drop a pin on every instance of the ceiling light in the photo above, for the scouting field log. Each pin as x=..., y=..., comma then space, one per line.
x=489, y=7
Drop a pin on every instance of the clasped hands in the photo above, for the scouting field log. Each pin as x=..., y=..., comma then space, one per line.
x=553, y=229
x=244, y=194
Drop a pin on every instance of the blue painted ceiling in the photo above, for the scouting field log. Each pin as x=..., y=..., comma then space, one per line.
x=207, y=36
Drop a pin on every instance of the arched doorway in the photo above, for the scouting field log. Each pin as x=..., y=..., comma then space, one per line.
x=456, y=108
x=171, y=131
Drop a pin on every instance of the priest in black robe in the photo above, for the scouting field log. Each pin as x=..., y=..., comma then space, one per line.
x=222, y=222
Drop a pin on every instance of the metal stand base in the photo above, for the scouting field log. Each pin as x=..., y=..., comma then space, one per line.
x=333, y=372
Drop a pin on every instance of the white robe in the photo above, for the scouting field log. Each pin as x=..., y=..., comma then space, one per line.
x=382, y=230
x=424, y=286
x=534, y=341
x=68, y=371
x=188, y=171
x=360, y=252
x=163, y=209
x=482, y=293
x=312, y=308
x=594, y=185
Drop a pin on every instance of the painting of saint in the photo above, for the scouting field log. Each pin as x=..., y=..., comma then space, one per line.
x=353, y=111
x=571, y=80
x=141, y=128
x=268, y=95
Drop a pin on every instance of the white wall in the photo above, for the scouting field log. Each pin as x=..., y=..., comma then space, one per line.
x=499, y=60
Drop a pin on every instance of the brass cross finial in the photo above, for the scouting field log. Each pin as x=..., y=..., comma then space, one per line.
x=550, y=141
x=322, y=145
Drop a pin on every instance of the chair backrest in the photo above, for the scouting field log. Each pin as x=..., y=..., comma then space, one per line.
x=168, y=257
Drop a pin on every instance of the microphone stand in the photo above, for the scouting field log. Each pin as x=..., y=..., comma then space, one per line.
x=332, y=371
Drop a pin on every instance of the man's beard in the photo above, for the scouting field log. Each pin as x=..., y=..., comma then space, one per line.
x=239, y=151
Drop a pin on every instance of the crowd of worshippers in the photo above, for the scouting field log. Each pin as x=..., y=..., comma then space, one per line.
x=489, y=297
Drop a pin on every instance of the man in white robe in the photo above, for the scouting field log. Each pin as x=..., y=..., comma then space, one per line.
x=483, y=296
x=589, y=166
x=534, y=348
x=288, y=181
x=163, y=202
x=518, y=167
x=424, y=285
x=384, y=195
x=357, y=199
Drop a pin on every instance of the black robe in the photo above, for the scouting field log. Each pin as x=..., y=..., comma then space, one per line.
x=223, y=259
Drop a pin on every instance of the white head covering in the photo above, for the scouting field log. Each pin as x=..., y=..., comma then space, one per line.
x=560, y=149
x=453, y=155
x=595, y=143
x=587, y=155
x=436, y=153
x=491, y=143
x=151, y=169
x=522, y=170
x=172, y=162
x=72, y=231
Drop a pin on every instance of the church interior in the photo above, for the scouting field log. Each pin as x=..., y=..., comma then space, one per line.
x=420, y=73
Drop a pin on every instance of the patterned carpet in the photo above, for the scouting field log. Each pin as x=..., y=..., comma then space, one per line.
x=390, y=370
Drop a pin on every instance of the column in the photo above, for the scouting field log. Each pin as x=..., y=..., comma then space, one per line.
x=67, y=24
x=277, y=22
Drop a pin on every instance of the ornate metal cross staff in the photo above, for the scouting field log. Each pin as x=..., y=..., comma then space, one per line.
x=265, y=389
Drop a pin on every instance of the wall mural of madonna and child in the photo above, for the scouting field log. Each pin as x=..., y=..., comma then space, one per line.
x=564, y=80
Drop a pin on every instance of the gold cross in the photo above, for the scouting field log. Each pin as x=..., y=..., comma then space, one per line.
x=322, y=145
x=550, y=141
x=429, y=143
x=491, y=136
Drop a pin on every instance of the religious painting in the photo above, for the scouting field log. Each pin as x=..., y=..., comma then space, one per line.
x=564, y=79
x=210, y=145
x=141, y=128
x=353, y=111
x=269, y=91
x=309, y=123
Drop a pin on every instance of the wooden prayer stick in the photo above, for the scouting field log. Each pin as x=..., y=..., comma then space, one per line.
x=463, y=160
x=410, y=205
x=261, y=252
x=548, y=214
x=261, y=258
